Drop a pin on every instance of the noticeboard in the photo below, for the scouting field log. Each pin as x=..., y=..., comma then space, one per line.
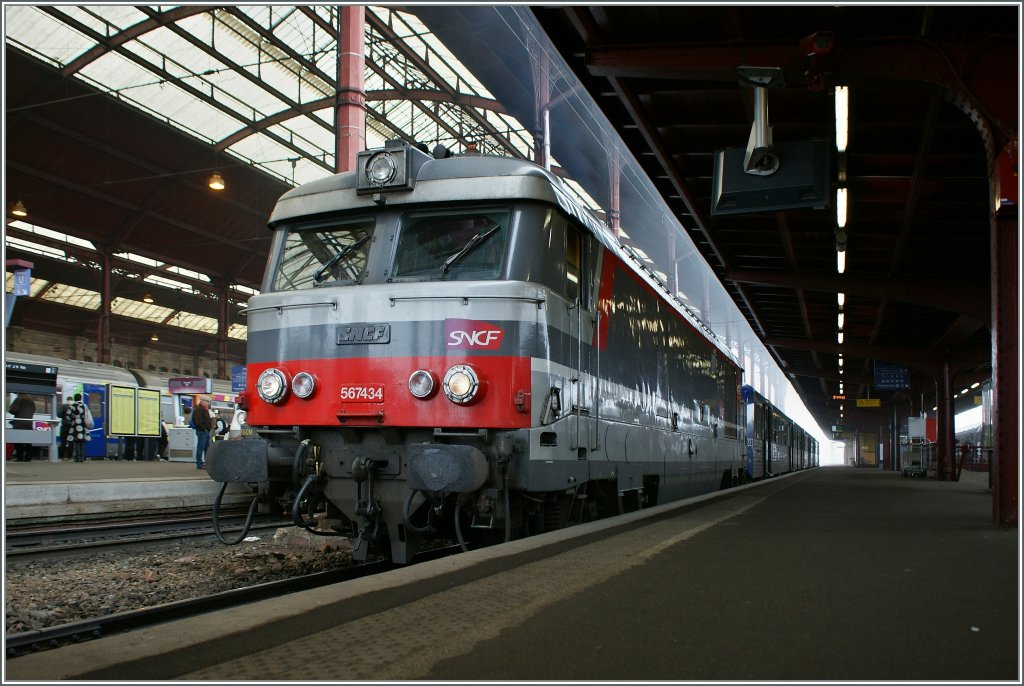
x=120, y=410
x=148, y=412
x=132, y=411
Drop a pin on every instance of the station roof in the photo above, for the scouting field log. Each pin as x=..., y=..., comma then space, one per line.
x=115, y=117
x=933, y=94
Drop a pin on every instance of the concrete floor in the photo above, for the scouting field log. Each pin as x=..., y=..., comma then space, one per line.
x=832, y=574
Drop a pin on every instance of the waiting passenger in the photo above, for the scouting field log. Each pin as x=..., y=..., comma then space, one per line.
x=78, y=432
x=64, y=452
x=23, y=408
x=203, y=423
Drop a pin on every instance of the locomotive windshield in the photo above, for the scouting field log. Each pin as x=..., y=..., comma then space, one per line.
x=322, y=254
x=452, y=244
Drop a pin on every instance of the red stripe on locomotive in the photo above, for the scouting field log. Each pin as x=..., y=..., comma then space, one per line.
x=502, y=379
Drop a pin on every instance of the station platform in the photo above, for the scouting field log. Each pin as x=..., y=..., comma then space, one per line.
x=830, y=574
x=43, y=489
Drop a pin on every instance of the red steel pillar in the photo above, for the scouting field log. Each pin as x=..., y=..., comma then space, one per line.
x=350, y=110
x=944, y=427
x=1005, y=346
x=103, y=329
x=223, y=324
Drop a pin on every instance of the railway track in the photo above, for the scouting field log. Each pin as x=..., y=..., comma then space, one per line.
x=54, y=540
x=77, y=632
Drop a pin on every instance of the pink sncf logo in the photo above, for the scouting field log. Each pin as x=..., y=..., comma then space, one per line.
x=468, y=334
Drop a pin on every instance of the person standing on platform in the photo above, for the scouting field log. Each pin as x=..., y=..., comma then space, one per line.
x=65, y=448
x=78, y=434
x=203, y=423
x=23, y=408
x=161, y=450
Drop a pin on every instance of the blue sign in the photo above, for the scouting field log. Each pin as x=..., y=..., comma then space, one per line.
x=22, y=281
x=891, y=377
x=238, y=377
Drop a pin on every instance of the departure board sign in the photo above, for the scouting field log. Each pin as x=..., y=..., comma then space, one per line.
x=120, y=410
x=189, y=385
x=869, y=402
x=891, y=377
x=148, y=412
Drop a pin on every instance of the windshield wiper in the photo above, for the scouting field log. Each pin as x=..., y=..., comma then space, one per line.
x=469, y=247
x=331, y=263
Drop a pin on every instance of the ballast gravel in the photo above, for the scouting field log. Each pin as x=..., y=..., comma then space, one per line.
x=42, y=593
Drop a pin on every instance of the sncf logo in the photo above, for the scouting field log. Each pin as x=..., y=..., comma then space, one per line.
x=467, y=334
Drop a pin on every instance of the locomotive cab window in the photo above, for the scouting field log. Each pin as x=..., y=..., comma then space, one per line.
x=453, y=245
x=332, y=254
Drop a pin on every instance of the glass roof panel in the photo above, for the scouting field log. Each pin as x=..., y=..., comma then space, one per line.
x=162, y=100
x=261, y=147
x=305, y=135
x=69, y=295
x=105, y=20
x=136, y=309
x=194, y=322
x=249, y=63
x=164, y=282
x=201, y=71
x=43, y=35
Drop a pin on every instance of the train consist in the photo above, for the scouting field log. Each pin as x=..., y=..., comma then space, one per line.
x=775, y=443
x=453, y=346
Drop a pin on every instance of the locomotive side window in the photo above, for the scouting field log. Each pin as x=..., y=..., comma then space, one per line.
x=579, y=275
x=464, y=244
x=573, y=258
x=325, y=254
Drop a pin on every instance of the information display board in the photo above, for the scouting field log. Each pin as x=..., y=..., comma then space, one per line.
x=121, y=410
x=133, y=411
x=891, y=377
x=148, y=412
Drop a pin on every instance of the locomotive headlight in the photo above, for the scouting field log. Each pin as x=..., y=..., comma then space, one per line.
x=381, y=169
x=272, y=385
x=422, y=384
x=303, y=384
x=460, y=384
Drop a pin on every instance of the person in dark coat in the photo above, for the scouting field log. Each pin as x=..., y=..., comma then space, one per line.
x=65, y=448
x=204, y=423
x=23, y=408
x=161, y=450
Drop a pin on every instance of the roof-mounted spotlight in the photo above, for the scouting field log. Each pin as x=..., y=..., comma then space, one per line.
x=19, y=209
x=216, y=182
